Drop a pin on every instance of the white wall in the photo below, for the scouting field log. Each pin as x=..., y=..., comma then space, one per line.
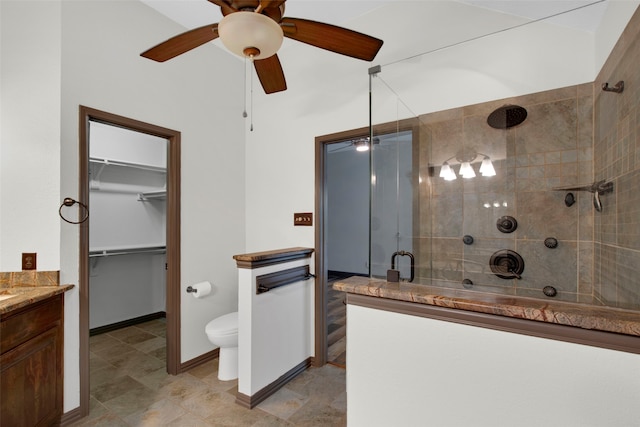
x=101, y=43
x=328, y=93
x=613, y=24
x=347, y=183
x=57, y=55
x=30, y=133
x=126, y=286
x=447, y=374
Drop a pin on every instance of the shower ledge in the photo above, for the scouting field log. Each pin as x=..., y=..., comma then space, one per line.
x=592, y=325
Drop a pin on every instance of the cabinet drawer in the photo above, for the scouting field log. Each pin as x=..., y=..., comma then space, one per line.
x=22, y=325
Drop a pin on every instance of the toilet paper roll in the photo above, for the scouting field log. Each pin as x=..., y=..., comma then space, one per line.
x=201, y=289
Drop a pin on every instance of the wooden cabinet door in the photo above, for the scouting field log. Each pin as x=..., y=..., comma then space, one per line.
x=31, y=367
x=29, y=383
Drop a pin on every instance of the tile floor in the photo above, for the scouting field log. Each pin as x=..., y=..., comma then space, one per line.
x=129, y=387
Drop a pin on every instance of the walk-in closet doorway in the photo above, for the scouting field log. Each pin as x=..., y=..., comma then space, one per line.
x=130, y=244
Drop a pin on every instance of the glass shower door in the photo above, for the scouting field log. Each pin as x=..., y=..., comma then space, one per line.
x=394, y=183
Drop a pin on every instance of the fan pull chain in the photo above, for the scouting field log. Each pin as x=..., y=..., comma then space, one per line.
x=251, y=105
x=244, y=113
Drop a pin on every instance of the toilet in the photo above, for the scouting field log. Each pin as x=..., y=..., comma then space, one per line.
x=223, y=332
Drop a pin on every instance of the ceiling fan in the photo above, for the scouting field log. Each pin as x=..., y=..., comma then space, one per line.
x=255, y=29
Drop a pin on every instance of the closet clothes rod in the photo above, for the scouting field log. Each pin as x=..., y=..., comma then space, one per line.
x=114, y=252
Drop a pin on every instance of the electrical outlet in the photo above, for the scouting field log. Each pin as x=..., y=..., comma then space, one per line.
x=28, y=261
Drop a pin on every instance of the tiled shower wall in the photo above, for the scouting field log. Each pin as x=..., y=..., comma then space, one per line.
x=552, y=148
x=617, y=158
x=572, y=136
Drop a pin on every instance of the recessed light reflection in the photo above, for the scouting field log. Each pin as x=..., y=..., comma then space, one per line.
x=495, y=204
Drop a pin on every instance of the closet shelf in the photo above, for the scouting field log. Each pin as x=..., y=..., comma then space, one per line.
x=110, y=162
x=152, y=195
x=127, y=251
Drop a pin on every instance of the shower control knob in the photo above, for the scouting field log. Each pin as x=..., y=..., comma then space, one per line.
x=467, y=283
x=551, y=242
x=550, y=291
x=467, y=240
x=507, y=224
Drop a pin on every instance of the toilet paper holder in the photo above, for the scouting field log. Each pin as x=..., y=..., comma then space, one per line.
x=191, y=289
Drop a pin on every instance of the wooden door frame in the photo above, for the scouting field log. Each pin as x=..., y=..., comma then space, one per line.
x=172, y=239
x=320, y=267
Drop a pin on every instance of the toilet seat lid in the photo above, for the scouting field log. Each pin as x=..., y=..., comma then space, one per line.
x=223, y=325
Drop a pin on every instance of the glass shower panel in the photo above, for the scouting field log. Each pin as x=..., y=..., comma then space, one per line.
x=394, y=181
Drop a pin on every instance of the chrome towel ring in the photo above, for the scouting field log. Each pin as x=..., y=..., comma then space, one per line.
x=68, y=202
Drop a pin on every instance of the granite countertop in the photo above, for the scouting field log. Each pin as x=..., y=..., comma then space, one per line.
x=26, y=295
x=564, y=313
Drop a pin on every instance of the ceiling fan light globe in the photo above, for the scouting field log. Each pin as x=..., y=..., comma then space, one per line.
x=240, y=31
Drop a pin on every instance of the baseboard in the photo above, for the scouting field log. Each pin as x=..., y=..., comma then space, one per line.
x=251, y=401
x=71, y=417
x=128, y=322
x=203, y=358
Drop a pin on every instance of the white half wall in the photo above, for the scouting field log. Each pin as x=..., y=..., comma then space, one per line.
x=447, y=374
x=274, y=327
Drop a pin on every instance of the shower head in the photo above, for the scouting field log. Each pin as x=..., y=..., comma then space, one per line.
x=507, y=116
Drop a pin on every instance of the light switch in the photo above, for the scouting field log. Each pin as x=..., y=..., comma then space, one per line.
x=304, y=218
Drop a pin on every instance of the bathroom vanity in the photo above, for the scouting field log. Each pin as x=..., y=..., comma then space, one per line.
x=31, y=355
x=458, y=358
